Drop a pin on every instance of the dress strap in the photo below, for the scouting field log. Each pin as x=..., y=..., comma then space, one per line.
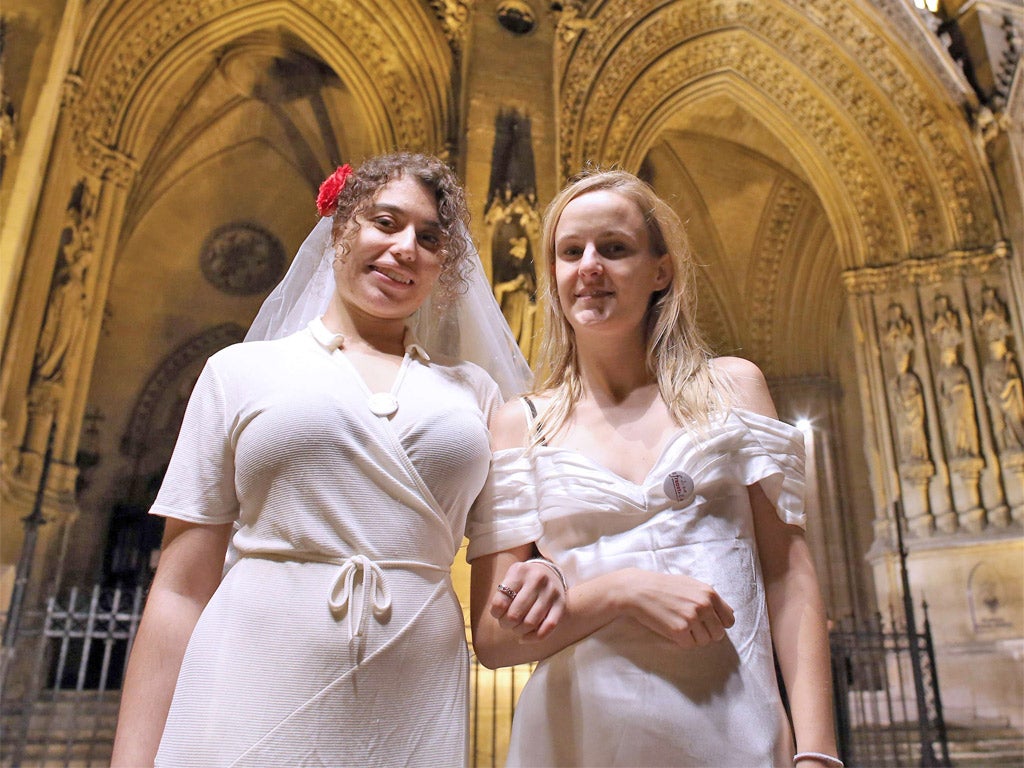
x=531, y=417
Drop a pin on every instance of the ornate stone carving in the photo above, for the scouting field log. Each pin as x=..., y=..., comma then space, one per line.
x=571, y=22
x=517, y=16
x=906, y=390
x=8, y=123
x=68, y=303
x=878, y=280
x=629, y=76
x=953, y=380
x=1004, y=389
x=784, y=208
x=958, y=414
x=242, y=259
x=909, y=423
x=514, y=225
x=395, y=75
x=515, y=232
x=454, y=17
x=901, y=15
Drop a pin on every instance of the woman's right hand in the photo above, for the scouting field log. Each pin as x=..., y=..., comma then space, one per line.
x=684, y=610
x=538, y=602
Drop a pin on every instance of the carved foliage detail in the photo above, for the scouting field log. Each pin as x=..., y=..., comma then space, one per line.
x=783, y=211
x=611, y=86
x=110, y=88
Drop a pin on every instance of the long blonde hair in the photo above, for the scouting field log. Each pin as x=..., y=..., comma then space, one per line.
x=677, y=354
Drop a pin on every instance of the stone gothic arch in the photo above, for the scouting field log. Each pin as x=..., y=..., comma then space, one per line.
x=897, y=176
x=118, y=116
x=401, y=73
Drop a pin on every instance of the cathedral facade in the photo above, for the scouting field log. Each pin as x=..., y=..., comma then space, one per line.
x=851, y=175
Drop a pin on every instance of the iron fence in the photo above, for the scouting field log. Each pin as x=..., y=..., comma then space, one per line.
x=66, y=712
x=887, y=704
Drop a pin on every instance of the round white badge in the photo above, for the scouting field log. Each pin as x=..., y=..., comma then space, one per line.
x=383, y=403
x=679, y=486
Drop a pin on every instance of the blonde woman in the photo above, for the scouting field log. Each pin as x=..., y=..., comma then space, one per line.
x=661, y=483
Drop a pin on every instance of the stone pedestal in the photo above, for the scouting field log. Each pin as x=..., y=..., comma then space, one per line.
x=915, y=477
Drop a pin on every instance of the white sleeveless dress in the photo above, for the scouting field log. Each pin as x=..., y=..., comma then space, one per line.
x=624, y=696
x=336, y=639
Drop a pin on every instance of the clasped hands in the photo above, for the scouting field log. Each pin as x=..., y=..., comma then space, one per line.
x=681, y=609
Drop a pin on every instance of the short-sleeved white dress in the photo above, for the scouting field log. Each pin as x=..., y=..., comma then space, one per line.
x=337, y=638
x=624, y=696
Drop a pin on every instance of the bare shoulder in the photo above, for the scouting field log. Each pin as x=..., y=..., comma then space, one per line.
x=748, y=383
x=509, y=428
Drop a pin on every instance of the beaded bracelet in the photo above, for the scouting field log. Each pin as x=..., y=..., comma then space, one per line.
x=553, y=567
x=827, y=759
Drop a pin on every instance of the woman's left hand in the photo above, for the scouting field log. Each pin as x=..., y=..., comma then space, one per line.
x=537, y=602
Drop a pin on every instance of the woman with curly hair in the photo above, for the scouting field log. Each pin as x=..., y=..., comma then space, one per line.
x=339, y=451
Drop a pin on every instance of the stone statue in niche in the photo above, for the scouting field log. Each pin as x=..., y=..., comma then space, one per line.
x=514, y=223
x=956, y=397
x=8, y=115
x=1004, y=388
x=953, y=381
x=906, y=390
x=68, y=303
x=946, y=328
x=517, y=296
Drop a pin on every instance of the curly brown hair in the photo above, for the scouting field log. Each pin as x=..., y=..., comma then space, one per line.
x=438, y=179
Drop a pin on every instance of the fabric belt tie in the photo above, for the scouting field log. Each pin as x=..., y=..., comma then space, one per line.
x=374, y=592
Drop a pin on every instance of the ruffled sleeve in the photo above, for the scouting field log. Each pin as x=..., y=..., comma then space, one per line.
x=199, y=485
x=773, y=455
x=505, y=513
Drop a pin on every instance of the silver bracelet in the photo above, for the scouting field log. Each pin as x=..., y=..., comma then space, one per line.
x=827, y=759
x=553, y=567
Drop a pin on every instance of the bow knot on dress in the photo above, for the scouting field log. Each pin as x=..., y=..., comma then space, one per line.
x=374, y=592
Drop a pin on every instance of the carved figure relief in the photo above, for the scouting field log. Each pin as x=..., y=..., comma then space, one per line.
x=953, y=380
x=8, y=135
x=1004, y=389
x=906, y=390
x=68, y=303
x=511, y=214
x=571, y=20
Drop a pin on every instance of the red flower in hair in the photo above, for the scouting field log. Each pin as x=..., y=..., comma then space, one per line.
x=327, y=198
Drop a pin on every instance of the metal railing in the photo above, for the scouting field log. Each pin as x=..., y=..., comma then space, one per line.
x=66, y=713
x=882, y=718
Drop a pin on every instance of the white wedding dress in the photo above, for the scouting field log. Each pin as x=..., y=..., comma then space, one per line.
x=336, y=639
x=624, y=696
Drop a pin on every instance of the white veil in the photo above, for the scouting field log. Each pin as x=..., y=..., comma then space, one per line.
x=470, y=327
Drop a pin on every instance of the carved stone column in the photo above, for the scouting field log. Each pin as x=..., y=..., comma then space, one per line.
x=812, y=404
x=54, y=334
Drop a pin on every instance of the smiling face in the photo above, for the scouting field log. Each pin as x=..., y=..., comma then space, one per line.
x=393, y=257
x=604, y=267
